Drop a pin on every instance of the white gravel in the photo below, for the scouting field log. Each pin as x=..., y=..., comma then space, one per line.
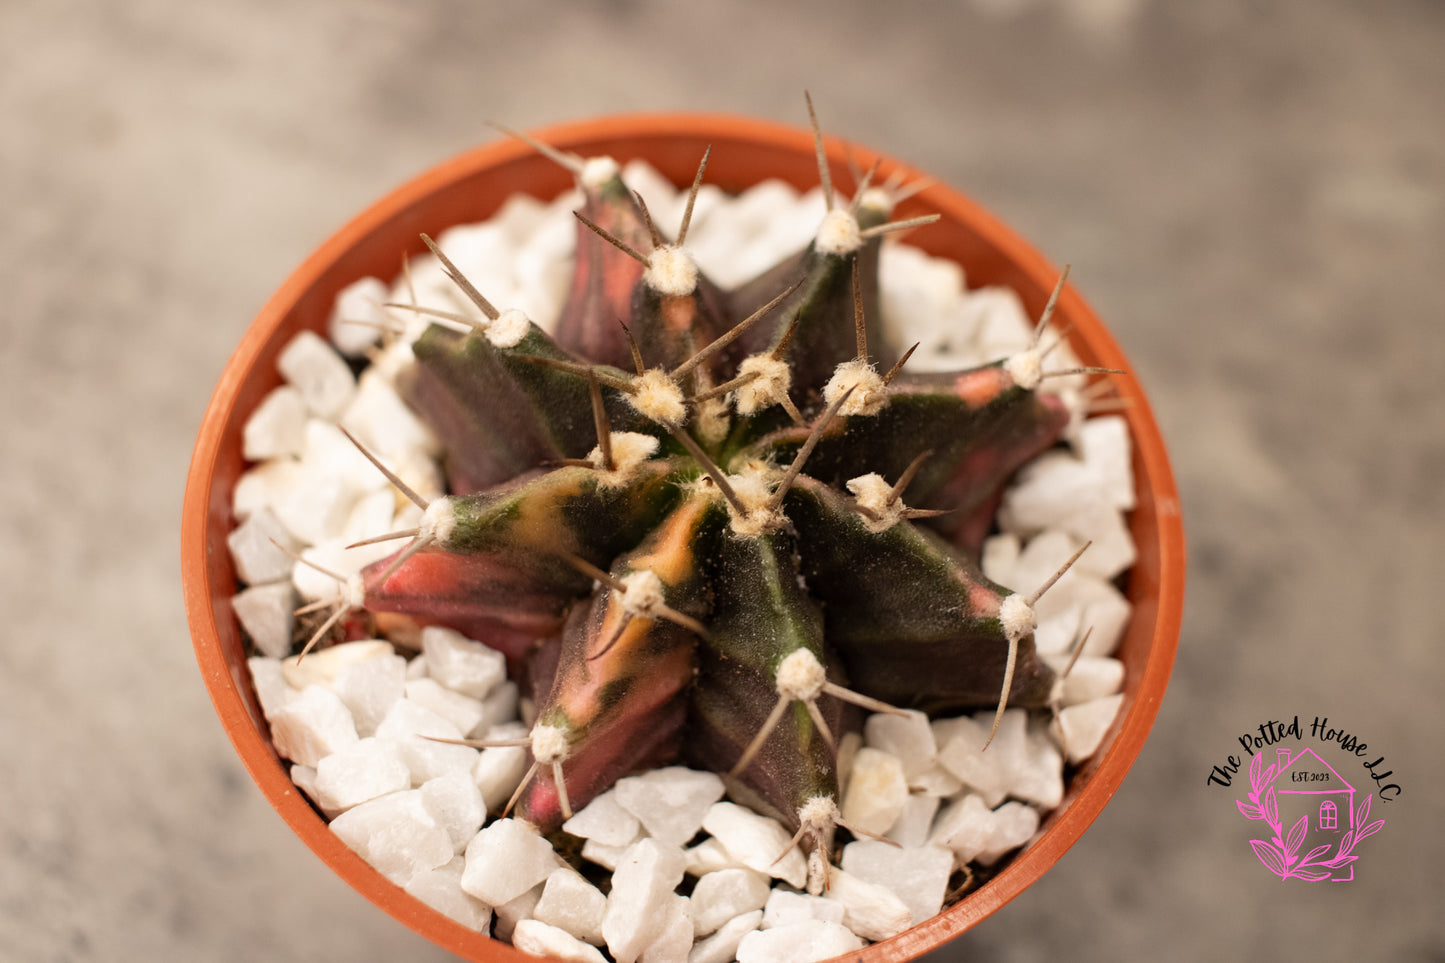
x=352, y=718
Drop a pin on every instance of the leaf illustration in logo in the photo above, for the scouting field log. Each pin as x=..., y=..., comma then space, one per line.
x=1295, y=837
x=1248, y=811
x=1256, y=773
x=1316, y=853
x=1268, y=855
x=1363, y=812
x=1370, y=830
x=1271, y=806
x=1312, y=875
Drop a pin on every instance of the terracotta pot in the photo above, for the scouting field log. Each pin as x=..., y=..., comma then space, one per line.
x=470, y=188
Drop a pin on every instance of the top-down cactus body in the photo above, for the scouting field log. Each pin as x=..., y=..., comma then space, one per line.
x=710, y=525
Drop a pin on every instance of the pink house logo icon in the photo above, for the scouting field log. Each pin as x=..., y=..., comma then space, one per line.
x=1325, y=824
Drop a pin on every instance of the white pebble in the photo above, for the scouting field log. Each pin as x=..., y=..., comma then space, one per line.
x=876, y=791
x=264, y=611
x=1040, y=780
x=917, y=876
x=441, y=889
x=384, y=423
x=961, y=752
x=508, y=915
x=270, y=684
x=264, y=485
x=937, y=782
x=499, y=707
x=319, y=373
x=460, y=664
x=372, y=515
x=605, y=821
x=908, y=737
x=411, y=725
x=1038, y=562
x=304, y=778
x=330, y=455
x=1106, y=448
x=360, y=772
x=673, y=942
x=359, y=301
x=464, y=712
x=720, y=896
x=802, y=942
x=604, y=855
x=572, y=904
x=756, y=841
x=785, y=907
x=913, y=824
x=314, y=508
x=1048, y=492
x=670, y=803
x=1058, y=633
x=505, y=860
x=722, y=946
x=369, y=688
x=1000, y=557
x=647, y=874
x=321, y=666
x=1111, y=546
x=869, y=910
x=965, y=826
x=539, y=939
x=709, y=856
x=498, y=770
x=395, y=834
x=1092, y=677
x=256, y=557
x=312, y=726
x=1013, y=825
x=277, y=427
x=1080, y=728
x=1107, y=615
x=456, y=804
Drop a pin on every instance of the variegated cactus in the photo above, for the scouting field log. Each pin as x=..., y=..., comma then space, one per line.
x=708, y=524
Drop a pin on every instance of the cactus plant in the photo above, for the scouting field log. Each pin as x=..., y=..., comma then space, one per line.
x=710, y=525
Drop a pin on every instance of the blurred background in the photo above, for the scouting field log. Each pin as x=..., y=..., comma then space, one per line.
x=1251, y=194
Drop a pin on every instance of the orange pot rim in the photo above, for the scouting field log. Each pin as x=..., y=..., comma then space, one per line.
x=206, y=511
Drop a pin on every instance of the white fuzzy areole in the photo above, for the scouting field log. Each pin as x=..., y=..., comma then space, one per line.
x=877, y=199
x=438, y=521
x=630, y=449
x=549, y=744
x=754, y=486
x=838, y=234
x=509, y=329
x=597, y=171
x=644, y=594
x=770, y=387
x=819, y=812
x=1017, y=617
x=658, y=397
x=872, y=493
x=801, y=676
x=1026, y=368
x=712, y=421
x=671, y=270
x=870, y=394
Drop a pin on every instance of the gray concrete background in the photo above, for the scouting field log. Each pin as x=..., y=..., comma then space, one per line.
x=1251, y=194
